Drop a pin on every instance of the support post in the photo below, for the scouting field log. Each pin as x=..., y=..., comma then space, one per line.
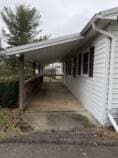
x=21, y=82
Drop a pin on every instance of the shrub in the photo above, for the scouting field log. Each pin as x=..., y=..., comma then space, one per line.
x=8, y=94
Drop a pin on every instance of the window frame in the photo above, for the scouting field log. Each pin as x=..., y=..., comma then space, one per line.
x=91, y=61
x=79, y=64
x=70, y=65
x=67, y=67
x=74, y=66
x=85, y=73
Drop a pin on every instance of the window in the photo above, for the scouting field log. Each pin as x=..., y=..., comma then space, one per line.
x=63, y=67
x=74, y=66
x=70, y=66
x=85, y=63
x=91, y=61
x=79, y=64
x=67, y=67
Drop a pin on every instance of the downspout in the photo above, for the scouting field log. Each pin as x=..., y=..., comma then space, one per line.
x=109, y=95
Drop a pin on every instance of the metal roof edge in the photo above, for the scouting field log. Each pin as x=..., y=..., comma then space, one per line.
x=108, y=12
x=43, y=44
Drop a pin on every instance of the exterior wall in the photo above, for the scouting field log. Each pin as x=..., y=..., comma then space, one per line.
x=113, y=28
x=92, y=91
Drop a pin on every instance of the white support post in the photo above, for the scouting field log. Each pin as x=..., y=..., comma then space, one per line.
x=21, y=82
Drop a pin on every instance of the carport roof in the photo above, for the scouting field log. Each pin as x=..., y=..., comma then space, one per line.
x=48, y=51
x=55, y=50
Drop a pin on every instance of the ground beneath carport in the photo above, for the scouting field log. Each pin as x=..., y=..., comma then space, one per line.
x=55, y=108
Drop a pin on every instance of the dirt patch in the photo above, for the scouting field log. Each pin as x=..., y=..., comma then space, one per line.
x=23, y=126
x=7, y=119
x=107, y=133
x=12, y=125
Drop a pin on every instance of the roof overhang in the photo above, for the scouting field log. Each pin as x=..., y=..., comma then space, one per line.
x=48, y=51
x=103, y=17
x=56, y=50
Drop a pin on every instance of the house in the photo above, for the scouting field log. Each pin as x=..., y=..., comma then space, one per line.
x=90, y=64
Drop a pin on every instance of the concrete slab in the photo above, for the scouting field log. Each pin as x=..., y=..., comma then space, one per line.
x=55, y=108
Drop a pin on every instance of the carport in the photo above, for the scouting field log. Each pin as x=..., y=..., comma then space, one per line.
x=49, y=106
x=40, y=53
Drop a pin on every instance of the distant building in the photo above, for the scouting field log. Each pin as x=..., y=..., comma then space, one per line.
x=54, y=69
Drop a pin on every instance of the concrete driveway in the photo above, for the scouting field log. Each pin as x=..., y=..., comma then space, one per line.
x=55, y=108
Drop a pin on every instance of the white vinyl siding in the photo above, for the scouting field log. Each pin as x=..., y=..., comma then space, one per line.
x=91, y=90
x=113, y=28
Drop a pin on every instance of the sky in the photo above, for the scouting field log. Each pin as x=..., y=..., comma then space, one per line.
x=62, y=17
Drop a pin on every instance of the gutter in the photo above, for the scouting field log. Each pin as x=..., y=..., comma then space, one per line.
x=110, y=83
x=112, y=120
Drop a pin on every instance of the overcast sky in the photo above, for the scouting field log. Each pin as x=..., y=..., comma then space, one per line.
x=63, y=17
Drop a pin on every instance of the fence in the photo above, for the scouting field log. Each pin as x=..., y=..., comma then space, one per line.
x=31, y=87
x=53, y=78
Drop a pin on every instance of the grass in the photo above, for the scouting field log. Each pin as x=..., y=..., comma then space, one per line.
x=4, y=118
x=7, y=119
